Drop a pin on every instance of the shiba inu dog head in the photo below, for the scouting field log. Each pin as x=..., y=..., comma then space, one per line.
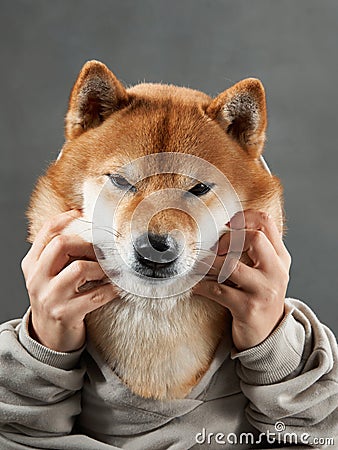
x=158, y=171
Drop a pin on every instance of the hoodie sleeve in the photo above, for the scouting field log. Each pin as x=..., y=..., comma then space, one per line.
x=40, y=389
x=291, y=381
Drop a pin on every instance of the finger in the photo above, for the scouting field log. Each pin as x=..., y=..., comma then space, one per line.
x=217, y=263
x=79, y=272
x=50, y=229
x=231, y=241
x=61, y=250
x=243, y=276
x=92, y=300
x=205, y=265
x=227, y=296
x=256, y=244
x=262, y=221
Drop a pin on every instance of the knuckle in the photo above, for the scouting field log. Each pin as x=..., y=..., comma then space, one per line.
x=78, y=267
x=49, y=226
x=288, y=259
x=235, y=267
x=252, y=308
x=30, y=286
x=265, y=217
x=256, y=237
x=217, y=290
x=59, y=243
x=42, y=300
x=24, y=265
x=285, y=278
x=272, y=294
x=97, y=297
x=58, y=313
x=33, y=288
x=262, y=302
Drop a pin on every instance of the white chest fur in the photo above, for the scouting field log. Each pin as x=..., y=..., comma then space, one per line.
x=159, y=348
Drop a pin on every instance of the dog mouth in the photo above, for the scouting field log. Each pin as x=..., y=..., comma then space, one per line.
x=157, y=270
x=162, y=270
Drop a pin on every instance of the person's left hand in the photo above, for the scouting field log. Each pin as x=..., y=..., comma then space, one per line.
x=255, y=297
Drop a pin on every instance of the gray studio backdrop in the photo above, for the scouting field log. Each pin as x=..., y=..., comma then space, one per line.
x=208, y=45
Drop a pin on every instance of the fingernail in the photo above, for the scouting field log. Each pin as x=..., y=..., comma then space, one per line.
x=214, y=247
x=75, y=212
x=237, y=221
x=194, y=289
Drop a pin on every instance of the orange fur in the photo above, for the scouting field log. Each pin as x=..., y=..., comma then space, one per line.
x=108, y=126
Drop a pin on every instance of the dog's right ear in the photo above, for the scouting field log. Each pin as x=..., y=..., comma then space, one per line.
x=96, y=94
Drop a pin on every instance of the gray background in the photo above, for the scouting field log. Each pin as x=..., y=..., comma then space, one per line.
x=290, y=45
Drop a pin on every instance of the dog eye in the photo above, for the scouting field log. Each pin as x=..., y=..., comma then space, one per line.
x=199, y=189
x=120, y=182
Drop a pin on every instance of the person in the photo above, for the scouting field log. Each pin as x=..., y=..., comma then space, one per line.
x=280, y=376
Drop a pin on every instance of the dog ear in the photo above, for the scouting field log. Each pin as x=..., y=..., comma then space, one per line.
x=241, y=111
x=96, y=94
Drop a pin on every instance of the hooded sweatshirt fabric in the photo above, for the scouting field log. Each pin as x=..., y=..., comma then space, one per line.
x=280, y=393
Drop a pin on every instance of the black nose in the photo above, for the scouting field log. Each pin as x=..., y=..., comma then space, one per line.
x=159, y=242
x=155, y=250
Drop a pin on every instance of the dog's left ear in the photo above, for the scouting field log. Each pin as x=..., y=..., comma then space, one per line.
x=96, y=94
x=241, y=111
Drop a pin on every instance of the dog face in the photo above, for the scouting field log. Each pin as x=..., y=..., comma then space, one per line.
x=157, y=171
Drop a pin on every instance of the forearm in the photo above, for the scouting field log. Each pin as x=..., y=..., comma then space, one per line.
x=292, y=377
x=40, y=389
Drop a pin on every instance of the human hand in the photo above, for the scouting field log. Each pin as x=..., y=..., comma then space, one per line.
x=255, y=297
x=55, y=267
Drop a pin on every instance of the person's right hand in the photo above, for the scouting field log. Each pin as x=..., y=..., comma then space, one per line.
x=55, y=267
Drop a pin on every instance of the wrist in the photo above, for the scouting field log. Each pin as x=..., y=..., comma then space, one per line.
x=60, y=360
x=278, y=356
x=56, y=336
x=246, y=335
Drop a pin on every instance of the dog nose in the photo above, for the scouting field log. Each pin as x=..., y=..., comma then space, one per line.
x=156, y=250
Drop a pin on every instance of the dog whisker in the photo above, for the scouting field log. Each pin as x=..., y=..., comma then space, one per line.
x=205, y=263
x=208, y=276
x=81, y=219
x=201, y=250
x=102, y=228
x=108, y=230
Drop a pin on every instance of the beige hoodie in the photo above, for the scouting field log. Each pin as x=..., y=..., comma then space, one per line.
x=281, y=391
